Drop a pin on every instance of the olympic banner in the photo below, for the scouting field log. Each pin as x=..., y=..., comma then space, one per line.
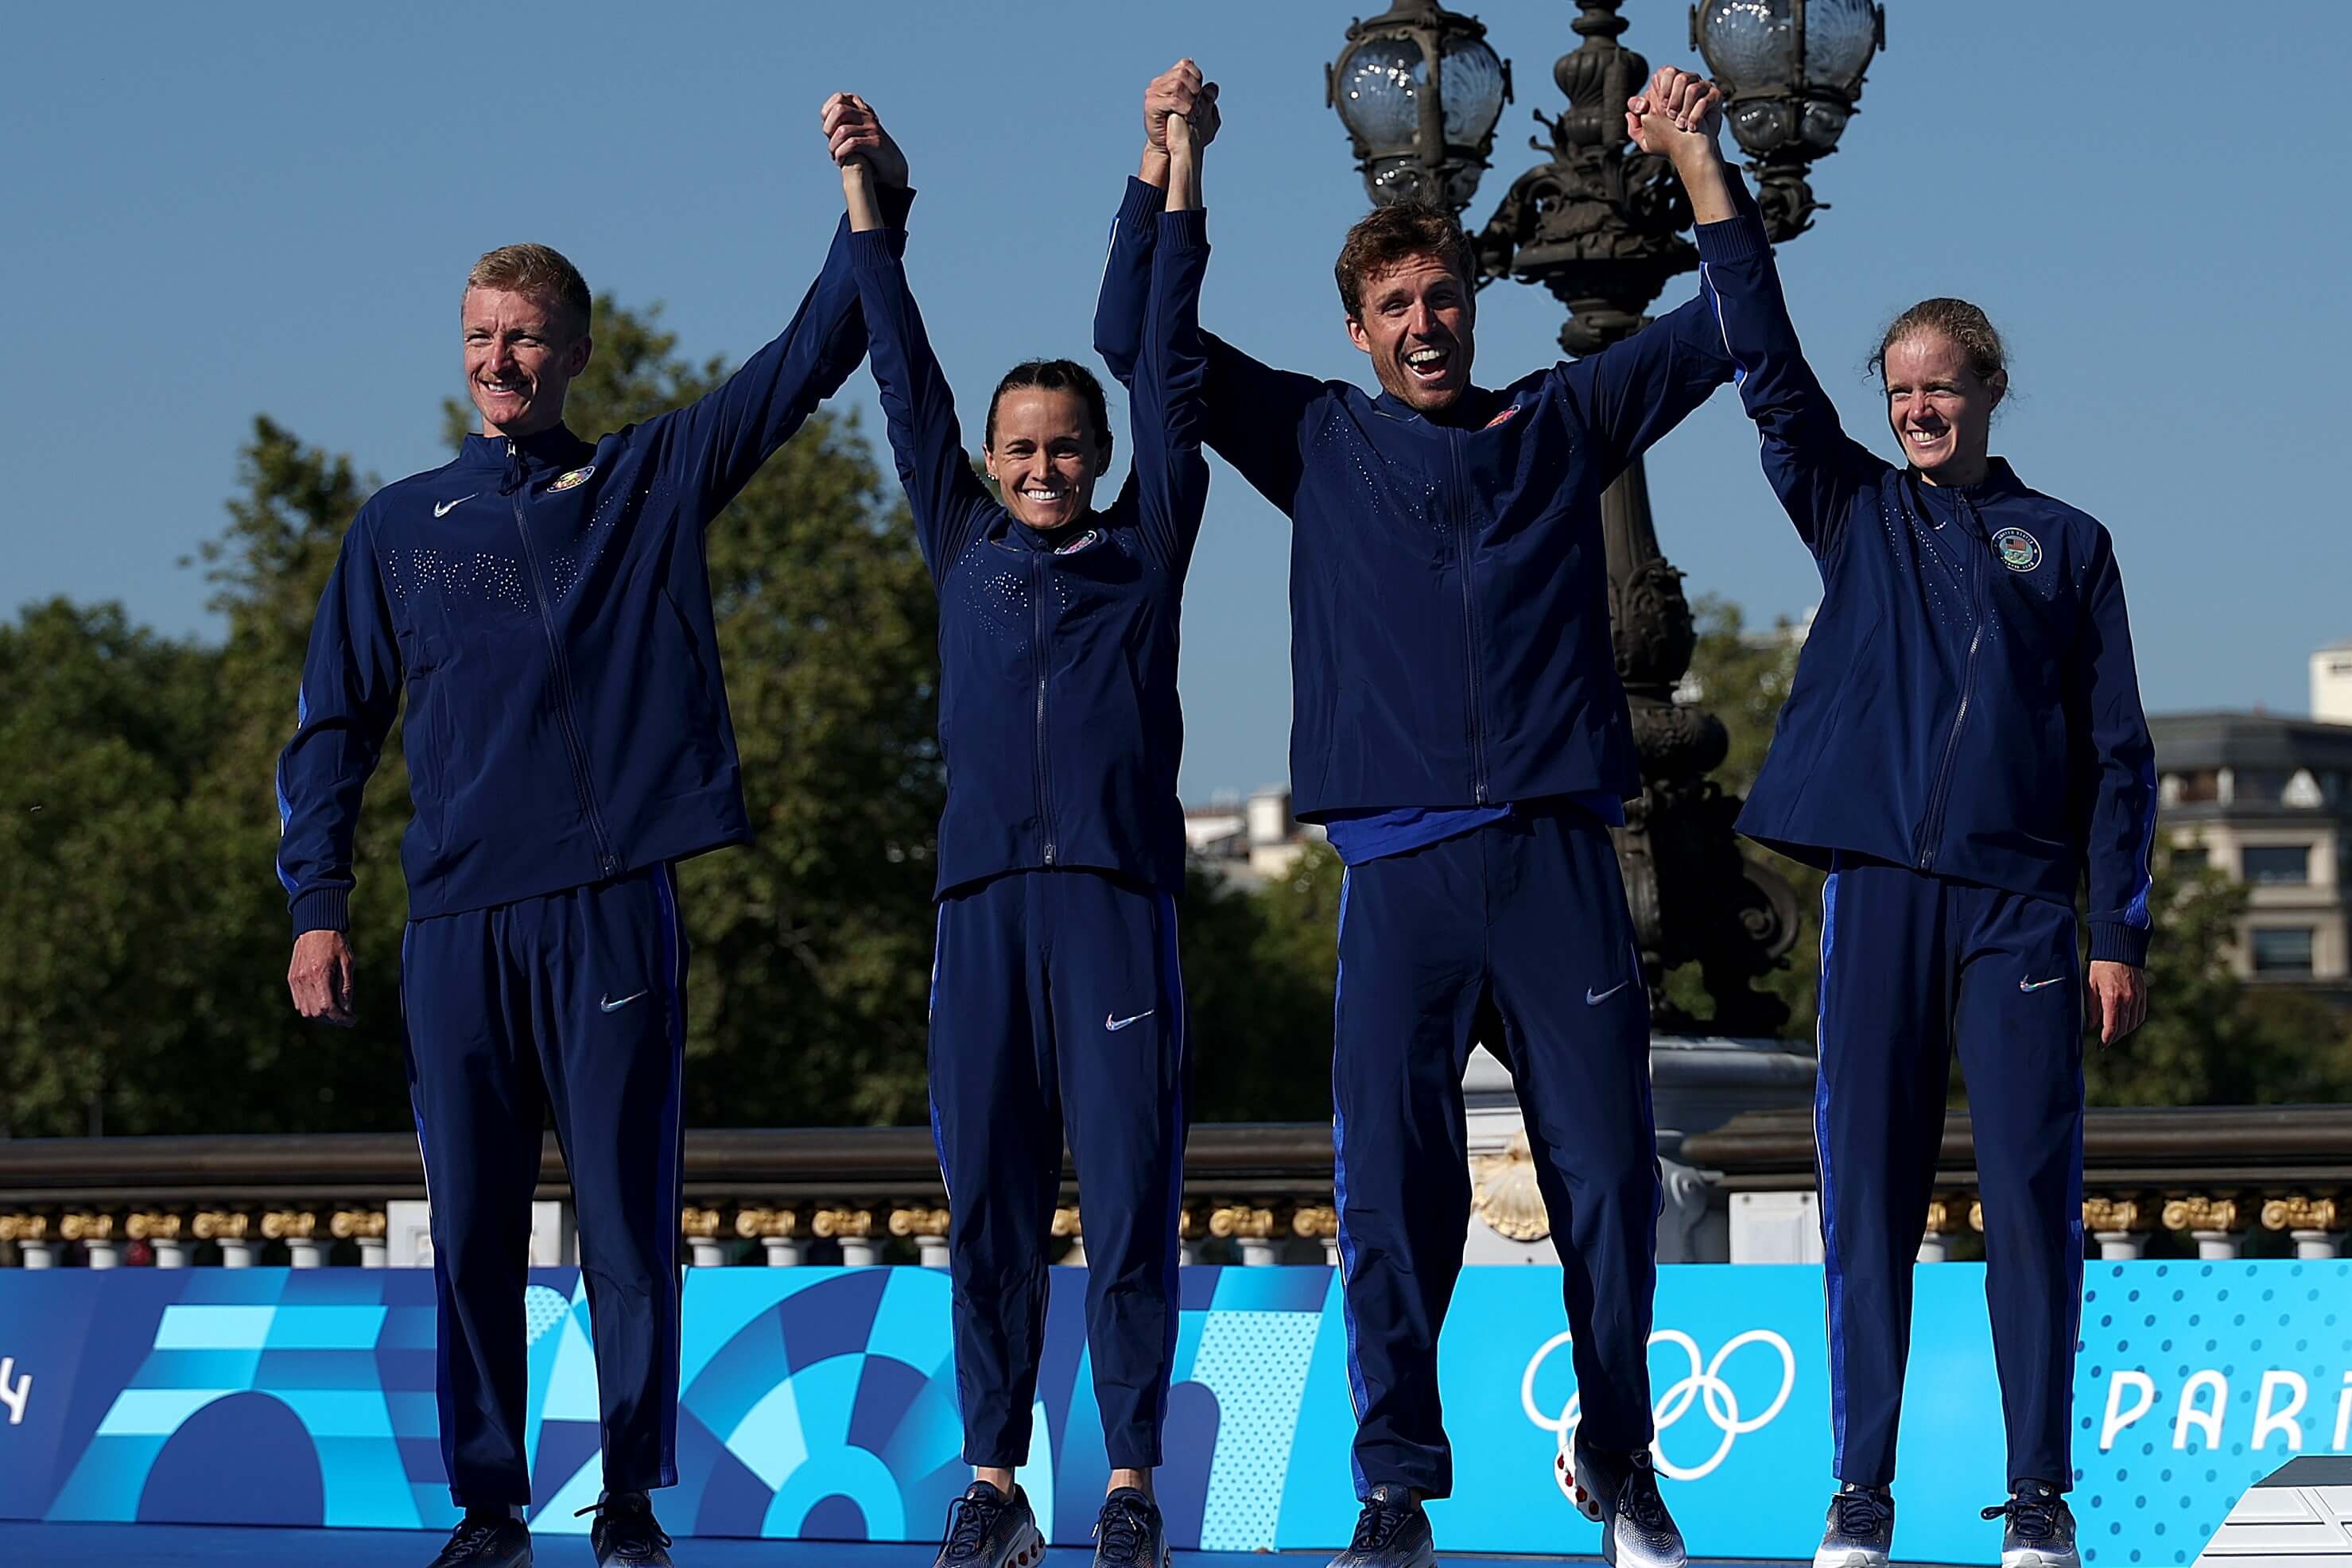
x=820, y=1404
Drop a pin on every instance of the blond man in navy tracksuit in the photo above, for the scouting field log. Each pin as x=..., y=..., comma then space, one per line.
x=1963, y=747
x=544, y=604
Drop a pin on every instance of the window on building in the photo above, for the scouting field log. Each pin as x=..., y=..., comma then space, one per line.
x=2263, y=786
x=2277, y=862
x=2281, y=950
x=2189, y=859
x=2200, y=785
x=2303, y=790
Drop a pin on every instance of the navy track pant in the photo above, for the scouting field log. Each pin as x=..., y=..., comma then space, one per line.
x=1516, y=934
x=573, y=1001
x=1913, y=965
x=1057, y=1006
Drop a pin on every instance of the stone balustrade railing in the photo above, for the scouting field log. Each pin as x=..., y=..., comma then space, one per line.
x=2194, y=1182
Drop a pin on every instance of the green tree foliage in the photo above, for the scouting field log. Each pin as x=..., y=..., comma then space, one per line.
x=1258, y=972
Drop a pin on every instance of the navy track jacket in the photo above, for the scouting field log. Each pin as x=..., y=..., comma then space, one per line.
x=1966, y=704
x=1058, y=712
x=1449, y=596
x=547, y=604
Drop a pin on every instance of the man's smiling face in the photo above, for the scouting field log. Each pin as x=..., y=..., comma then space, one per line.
x=1417, y=324
x=522, y=355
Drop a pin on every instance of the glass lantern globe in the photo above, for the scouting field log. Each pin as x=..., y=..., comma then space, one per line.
x=1419, y=74
x=1777, y=101
x=1378, y=93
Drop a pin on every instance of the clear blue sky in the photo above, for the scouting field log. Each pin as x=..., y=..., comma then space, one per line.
x=213, y=212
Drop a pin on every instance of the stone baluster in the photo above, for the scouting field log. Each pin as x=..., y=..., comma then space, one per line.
x=2212, y=1222
x=2121, y=1225
x=700, y=1228
x=854, y=1228
x=2315, y=1225
x=928, y=1228
x=96, y=1233
x=165, y=1233
x=1252, y=1229
x=1190, y=1222
x=777, y=1232
x=1068, y=1226
x=234, y=1232
x=1319, y=1222
x=298, y=1229
x=365, y=1227
x=1944, y=1222
x=30, y=1232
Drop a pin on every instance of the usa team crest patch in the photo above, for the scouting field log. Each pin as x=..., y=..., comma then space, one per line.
x=2019, y=551
x=1504, y=417
x=576, y=477
x=1090, y=537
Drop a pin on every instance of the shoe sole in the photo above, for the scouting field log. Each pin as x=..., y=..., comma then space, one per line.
x=1028, y=1551
x=2036, y=1559
x=1425, y=1558
x=1849, y=1557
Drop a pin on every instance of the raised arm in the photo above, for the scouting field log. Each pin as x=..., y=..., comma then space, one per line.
x=1251, y=416
x=926, y=442
x=2107, y=721
x=1813, y=465
x=1171, y=477
x=343, y=709
x=712, y=447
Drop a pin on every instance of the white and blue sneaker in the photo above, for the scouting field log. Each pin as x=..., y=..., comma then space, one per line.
x=988, y=1530
x=1860, y=1530
x=1636, y=1530
x=1128, y=1532
x=1391, y=1532
x=2041, y=1528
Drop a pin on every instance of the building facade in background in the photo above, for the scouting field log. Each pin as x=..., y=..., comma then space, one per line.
x=2267, y=800
x=1248, y=841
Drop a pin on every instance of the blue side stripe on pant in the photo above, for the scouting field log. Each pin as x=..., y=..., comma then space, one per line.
x=1356, y=1391
x=1172, y=957
x=930, y=1008
x=673, y=1150
x=1832, y=1268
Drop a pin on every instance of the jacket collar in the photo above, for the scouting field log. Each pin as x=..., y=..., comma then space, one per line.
x=1999, y=483
x=1470, y=411
x=555, y=448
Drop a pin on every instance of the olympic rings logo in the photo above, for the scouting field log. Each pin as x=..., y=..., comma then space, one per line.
x=1705, y=1386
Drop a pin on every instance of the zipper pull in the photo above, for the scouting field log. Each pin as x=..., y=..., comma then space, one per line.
x=515, y=475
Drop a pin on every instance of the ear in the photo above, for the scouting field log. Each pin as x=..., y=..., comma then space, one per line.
x=1357, y=336
x=1999, y=386
x=575, y=358
x=1102, y=453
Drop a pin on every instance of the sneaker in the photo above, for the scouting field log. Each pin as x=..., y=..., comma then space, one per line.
x=1861, y=1533
x=2041, y=1530
x=1127, y=1532
x=1391, y=1532
x=486, y=1540
x=624, y=1534
x=1636, y=1530
x=988, y=1530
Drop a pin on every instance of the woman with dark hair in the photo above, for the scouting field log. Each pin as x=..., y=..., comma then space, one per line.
x=1962, y=747
x=1057, y=1002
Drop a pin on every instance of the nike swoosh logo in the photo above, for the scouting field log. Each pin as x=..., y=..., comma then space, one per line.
x=609, y=1006
x=1116, y=1024
x=443, y=509
x=1594, y=998
x=2037, y=985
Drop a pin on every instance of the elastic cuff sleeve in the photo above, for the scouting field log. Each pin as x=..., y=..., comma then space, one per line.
x=876, y=248
x=323, y=908
x=2114, y=942
x=1186, y=230
x=895, y=201
x=1143, y=200
x=1739, y=238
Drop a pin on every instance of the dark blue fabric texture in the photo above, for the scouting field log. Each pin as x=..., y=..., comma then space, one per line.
x=574, y=1004
x=1058, y=710
x=1514, y=934
x=546, y=604
x=1967, y=703
x=1450, y=641
x=1913, y=968
x=1057, y=1007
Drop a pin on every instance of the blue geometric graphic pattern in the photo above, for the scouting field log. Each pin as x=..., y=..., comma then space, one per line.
x=820, y=1404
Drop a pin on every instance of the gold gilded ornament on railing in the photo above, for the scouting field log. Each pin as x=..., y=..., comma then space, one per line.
x=1241, y=1222
x=152, y=1227
x=1503, y=1192
x=1944, y=1215
x=699, y=1224
x=762, y=1224
x=87, y=1227
x=24, y=1228
x=2298, y=1212
x=221, y=1224
x=357, y=1224
x=2126, y=1215
x=851, y=1224
x=2200, y=1212
x=919, y=1222
x=1316, y=1222
x=289, y=1225
x=1065, y=1221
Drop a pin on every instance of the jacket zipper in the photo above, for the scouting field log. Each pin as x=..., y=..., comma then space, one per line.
x=1044, y=769
x=1469, y=621
x=607, y=861
x=1932, y=827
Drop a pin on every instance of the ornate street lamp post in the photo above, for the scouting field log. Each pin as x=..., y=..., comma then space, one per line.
x=1598, y=224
